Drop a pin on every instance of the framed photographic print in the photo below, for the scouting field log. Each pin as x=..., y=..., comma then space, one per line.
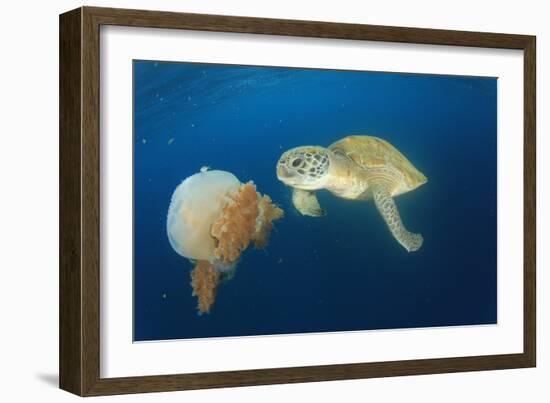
x=251, y=201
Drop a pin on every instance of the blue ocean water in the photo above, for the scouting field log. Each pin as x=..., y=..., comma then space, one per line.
x=343, y=271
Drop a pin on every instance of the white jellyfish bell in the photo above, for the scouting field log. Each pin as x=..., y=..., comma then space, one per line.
x=196, y=204
x=212, y=219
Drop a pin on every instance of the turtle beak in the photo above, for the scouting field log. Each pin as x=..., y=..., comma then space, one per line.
x=283, y=174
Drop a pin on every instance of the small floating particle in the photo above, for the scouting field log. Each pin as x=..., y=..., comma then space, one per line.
x=205, y=168
x=192, y=125
x=280, y=260
x=144, y=141
x=170, y=141
x=164, y=296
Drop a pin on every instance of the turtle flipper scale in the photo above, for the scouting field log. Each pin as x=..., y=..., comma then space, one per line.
x=306, y=203
x=388, y=210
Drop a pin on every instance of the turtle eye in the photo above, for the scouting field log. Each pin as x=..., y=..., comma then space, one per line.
x=297, y=162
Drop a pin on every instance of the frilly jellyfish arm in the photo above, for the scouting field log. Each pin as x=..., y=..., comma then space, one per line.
x=204, y=280
x=235, y=225
x=246, y=217
x=267, y=213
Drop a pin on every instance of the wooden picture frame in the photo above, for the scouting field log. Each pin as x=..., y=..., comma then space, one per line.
x=79, y=278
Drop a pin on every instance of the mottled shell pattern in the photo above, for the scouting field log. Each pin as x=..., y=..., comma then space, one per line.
x=372, y=152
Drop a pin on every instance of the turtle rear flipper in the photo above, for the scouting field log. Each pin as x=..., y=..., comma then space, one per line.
x=306, y=203
x=388, y=210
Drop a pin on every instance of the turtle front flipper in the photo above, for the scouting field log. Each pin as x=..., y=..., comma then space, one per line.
x=306, y=203
x=387, y=208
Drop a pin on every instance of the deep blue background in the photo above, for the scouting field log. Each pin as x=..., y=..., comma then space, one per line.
x=337, y=273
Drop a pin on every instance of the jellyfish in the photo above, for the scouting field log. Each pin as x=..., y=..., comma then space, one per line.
x=212, y=219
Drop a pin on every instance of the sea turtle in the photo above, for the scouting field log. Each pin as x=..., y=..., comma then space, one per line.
x=356, y=168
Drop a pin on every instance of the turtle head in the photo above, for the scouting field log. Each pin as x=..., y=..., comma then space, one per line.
x=304, y=167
